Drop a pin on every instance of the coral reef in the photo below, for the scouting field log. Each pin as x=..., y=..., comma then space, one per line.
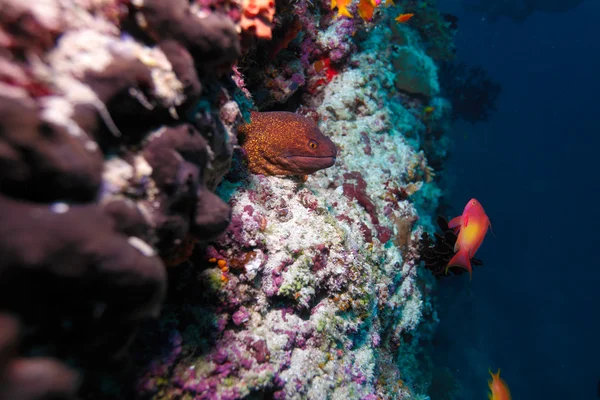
x=302, y=56
x=314, y=290
x=436, y=30
x=415, y=72
x=119, y=157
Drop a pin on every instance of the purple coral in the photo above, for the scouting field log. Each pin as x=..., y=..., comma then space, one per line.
x=240, y=316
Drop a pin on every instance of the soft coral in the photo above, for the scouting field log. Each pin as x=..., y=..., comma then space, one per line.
x=436, y=252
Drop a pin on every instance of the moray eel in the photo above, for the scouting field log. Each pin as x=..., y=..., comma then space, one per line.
x=284, y=143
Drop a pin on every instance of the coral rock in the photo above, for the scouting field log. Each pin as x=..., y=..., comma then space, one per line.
x=76, y=256
x=41, y=161
x=415, y=72
x=211, y=40
x=29, y=378
x=183, y=66
x=179, y=158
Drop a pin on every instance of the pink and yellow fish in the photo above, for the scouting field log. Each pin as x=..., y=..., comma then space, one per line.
x=498, y=388
x=471, y=227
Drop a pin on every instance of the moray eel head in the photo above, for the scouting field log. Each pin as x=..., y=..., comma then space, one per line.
x=284, y=143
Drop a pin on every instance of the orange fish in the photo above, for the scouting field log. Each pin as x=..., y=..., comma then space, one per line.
x=402, y=18
x=342, y=6
x=471, y=227
x=366, y=8
x=498, y=388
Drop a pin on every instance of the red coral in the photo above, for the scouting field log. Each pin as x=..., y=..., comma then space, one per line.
x=320, y=259
x=323, y=67
x=357, y=191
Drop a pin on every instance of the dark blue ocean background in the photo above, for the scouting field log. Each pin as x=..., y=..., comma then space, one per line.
x=532, y=309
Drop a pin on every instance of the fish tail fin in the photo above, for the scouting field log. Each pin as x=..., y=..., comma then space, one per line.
x=344, y=11
x=461, y=259
x=491, y=230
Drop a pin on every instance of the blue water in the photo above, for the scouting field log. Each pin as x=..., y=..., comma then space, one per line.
x=532, y=310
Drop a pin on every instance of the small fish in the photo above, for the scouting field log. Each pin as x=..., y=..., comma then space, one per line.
x=402, y=18
x=498, y=388
x=342, y=6
x=429, y=109
x=471, y=227
x=366, y=8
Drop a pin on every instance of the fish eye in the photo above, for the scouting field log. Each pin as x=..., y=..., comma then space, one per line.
x=312, y=144
x=473, y=202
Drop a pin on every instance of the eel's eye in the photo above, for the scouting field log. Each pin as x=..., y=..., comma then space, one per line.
x=312, y=144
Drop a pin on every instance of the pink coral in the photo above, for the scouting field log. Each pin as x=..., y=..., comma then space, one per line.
x=258, y=17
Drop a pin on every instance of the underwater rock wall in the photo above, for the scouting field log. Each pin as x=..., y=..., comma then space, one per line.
x=102, y=172
x=314, y=291
x=118, y=124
